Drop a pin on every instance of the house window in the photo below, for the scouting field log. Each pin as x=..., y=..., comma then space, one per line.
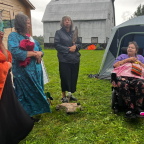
x=80, y=38
x=94, y=39
x=51, y=39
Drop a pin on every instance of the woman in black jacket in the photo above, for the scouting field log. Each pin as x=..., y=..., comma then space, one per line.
x=69, y=58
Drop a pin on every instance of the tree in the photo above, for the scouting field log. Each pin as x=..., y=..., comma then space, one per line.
x=138, y=12
x=40, y=39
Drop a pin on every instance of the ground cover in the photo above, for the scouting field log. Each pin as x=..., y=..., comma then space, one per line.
x=96, y=123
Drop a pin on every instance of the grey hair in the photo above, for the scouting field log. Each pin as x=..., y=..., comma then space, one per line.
x=62, y=22
x=21, y=23
x=135, y=44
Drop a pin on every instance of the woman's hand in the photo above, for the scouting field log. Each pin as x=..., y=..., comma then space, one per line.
x=140, y=63
x=38, y=56
x=10, y=65
x=1, y=37
x=132, y=59
x=72, y=48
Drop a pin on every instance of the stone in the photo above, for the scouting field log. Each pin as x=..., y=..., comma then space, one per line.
x=69, y=107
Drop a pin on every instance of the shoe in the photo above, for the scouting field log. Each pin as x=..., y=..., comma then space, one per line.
x=71, y=97
x=36, y=120
x=64, y=100
x=130, y=114
x=139, y=112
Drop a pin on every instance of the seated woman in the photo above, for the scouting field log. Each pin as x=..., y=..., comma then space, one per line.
x=129, y=69
x=15, y=123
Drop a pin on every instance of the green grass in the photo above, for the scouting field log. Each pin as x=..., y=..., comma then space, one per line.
x=96, y=123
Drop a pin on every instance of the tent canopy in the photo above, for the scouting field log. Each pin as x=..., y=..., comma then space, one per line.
x=131, y=30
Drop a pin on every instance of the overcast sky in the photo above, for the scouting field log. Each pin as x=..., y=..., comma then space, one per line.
x=123, y=10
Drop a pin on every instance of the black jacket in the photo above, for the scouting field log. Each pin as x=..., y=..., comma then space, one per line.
x=63, y=40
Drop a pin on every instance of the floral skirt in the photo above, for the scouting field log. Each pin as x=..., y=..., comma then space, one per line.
x=124, y=85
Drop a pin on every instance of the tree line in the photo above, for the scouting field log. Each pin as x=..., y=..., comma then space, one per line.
x=138, y=12
x=40, y=39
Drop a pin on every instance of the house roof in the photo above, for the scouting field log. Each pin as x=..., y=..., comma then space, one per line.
x=77, y=9
x=27, y=2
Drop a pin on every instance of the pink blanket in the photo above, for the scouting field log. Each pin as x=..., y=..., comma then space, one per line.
x=125, y=70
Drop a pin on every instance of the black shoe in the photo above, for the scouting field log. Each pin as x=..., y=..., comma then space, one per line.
x=130, y=114
x=73, y=98
x=64, y=100
x=139, y=112
x=36, y=120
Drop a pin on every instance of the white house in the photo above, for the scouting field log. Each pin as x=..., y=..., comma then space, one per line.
x=94, y=19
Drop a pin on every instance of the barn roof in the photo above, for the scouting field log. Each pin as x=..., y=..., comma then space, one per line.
x=77, y=9
x=27, y=2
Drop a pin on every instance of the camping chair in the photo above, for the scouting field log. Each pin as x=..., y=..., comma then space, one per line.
x=117, y=102
x=140, y=41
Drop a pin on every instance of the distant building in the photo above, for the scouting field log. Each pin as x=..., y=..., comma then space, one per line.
x=94, y=19
x=10, y=9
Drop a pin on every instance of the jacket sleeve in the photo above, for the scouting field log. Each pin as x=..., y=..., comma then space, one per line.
x=119, y=58
x=78, y=44
x=59, y=47
x=13, y=47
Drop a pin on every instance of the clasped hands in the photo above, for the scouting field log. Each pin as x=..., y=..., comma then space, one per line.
x=134, y=60
x=72, y=48
x=38, y=55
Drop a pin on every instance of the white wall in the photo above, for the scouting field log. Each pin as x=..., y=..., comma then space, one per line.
x=110, y=22
x=49, y=30
x=87, y=29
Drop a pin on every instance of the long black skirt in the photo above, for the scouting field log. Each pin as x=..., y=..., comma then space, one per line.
x=15, y=123
x=69, y=75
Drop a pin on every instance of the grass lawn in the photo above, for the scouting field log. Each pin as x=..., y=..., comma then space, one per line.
x=96, y=123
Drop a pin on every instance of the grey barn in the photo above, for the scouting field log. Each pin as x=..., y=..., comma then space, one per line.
x=94, y=19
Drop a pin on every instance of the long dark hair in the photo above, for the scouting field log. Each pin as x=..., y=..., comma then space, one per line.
x=21, y=24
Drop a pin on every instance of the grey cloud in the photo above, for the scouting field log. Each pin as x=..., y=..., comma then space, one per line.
x=126, y=15
x=37, y=27
x=40, y=5
x=139, y=2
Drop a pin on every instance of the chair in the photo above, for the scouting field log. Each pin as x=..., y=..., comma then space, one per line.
x=117, y=102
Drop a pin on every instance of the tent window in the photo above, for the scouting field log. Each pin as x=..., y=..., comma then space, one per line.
x=51, y=39
x=80, y=38
x=94, y=40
